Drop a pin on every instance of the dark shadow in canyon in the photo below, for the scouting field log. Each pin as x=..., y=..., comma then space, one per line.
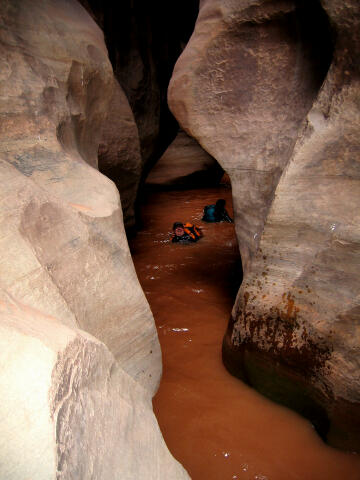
x=313, y=31
x=144, y=40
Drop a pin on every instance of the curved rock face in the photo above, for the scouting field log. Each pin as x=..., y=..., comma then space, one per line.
x=68, y=410
x=242, y=88
x=119, y=152
x=185, y=163
x=294, y=331
x=71, y=405
x=66, y=215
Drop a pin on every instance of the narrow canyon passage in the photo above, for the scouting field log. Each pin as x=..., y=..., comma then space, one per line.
x=215, y=425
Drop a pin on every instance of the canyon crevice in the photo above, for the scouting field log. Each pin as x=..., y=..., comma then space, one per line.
x=270, y=91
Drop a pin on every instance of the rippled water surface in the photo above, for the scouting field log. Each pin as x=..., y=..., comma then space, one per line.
x=215, y=425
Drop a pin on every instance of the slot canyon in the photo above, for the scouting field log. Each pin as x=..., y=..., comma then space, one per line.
x=125, y=355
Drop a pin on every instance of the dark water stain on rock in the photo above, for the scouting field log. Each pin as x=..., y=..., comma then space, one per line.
x=278, y=353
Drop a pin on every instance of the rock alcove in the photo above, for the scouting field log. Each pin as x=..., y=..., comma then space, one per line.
x=270, y=90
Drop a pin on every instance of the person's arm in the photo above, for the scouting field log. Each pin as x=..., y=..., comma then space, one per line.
x=204, y=217
x=198, y=231
x=226, y=217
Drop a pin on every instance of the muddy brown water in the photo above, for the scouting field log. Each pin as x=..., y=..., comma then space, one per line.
x=214, y=424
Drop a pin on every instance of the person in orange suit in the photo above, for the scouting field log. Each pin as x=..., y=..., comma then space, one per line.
x=185, y=233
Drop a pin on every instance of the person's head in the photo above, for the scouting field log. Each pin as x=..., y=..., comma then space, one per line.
x=220, y=203
x=178, y=229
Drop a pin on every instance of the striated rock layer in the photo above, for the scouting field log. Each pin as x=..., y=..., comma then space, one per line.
x=80, y=358
x=248, y=88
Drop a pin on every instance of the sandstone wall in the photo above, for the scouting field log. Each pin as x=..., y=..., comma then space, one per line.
x=185, y=163
x=68, y=410
x=248, y=88
x=242, y=88
x=119, y=153
x=73, y=404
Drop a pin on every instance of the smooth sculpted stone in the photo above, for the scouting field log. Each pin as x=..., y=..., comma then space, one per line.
x=119, y=152
x=68, y=411
x=242, y=87
x=185, y=163
x=80, y=357
x=248, y=88
x=63, y=221
x=299, y=304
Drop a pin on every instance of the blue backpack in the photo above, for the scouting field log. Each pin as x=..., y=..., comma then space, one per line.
x=209, y=214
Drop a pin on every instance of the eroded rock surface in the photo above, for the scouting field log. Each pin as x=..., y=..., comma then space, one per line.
x=65, y=266
x=60, y=379
x=185, y=163
x=63, y=216
x=243, y=88
x=119, y=152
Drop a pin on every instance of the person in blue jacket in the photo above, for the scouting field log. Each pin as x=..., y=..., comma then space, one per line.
x=216, y=213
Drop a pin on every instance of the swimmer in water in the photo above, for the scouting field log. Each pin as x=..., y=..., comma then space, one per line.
x=185, y=233
x=216, y=213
